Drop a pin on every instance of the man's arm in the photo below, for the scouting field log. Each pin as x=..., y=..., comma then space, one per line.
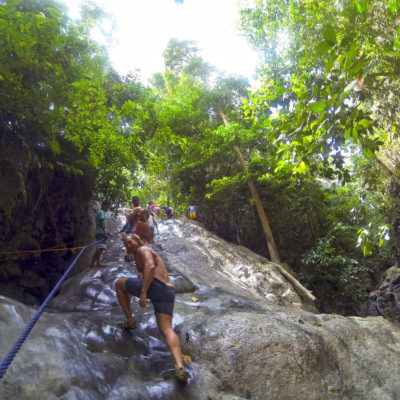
x=147, y=261
x=132, y=214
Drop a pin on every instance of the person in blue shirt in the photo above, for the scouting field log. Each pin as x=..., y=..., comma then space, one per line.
x=101, y=234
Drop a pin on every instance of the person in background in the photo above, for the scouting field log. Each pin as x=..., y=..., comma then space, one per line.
x=192, y=212
x=153, y=284
x=135, y=202
x=137, y=214
x=152, y=220
x=167, y=212
x=153, y=207
x=101, y=234
x=157, y=210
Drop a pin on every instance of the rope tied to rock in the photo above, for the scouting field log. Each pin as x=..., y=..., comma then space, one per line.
x=20, y=341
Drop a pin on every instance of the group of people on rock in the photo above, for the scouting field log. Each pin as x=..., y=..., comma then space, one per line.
x=153, y=282
x=150, y=214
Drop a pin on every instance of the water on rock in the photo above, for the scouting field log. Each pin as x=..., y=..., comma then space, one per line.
x=248, y=331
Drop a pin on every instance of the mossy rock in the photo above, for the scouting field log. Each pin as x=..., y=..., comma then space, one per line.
x=14, y=270
x=31, y=279
x=29, y=299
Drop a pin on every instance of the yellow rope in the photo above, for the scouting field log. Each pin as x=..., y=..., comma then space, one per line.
x=22, y=253
x=41, y=250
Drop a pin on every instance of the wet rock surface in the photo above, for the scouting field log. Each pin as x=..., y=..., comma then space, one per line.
x=243, y=324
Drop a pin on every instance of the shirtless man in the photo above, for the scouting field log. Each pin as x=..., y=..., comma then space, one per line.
x=138, y=214
x=154, y=283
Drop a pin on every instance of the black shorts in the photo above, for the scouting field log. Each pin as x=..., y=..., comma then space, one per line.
x=161, y=295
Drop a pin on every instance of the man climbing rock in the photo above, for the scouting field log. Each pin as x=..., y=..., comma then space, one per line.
x=154, y=284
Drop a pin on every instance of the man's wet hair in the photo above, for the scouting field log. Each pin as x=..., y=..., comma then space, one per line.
x=106, y=203
x=135, y=198
x=133, y=236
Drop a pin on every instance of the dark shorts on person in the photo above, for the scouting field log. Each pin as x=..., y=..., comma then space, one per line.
x=102, y=238
x=161, y=295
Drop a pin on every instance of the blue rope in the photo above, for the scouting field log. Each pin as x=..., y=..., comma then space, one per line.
x=20, y=341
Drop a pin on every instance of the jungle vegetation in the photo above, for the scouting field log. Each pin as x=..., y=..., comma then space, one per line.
x=319, y=134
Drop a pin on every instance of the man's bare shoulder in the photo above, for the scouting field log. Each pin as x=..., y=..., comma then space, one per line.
x=145, y=250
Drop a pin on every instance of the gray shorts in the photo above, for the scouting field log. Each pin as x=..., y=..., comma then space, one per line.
x=102, y=244
x=161, y=295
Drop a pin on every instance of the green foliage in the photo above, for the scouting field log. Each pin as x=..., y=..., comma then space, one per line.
x=71, y=128
x=319, y=87
x=327, y=262
x=182, y=58
x=366, y=238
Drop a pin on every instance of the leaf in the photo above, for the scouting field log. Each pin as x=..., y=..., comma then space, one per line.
x=266, y=123
x=323, y=47
x=349, y=55
x=300, y=168
x=195, y=298
x=354, y=134
x=351, y=85
x=329, y=35
x=329, y=65
x=1, y=77
x=54, y=145
x=318, y=106
x=363, y=124
x=367, y=248
x=393, y=7
x=235, y=341
x=346, y=40
x=359, y=7
x=357, y=67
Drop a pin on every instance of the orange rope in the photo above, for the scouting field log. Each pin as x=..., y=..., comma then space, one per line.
x=41, y=250
x=48, y=249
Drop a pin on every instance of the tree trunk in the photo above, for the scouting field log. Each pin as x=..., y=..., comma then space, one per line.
x=273, y=251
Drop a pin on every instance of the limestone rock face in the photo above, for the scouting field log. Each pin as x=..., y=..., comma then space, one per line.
x=294, y=355
x=386, y=300
x=246, y=328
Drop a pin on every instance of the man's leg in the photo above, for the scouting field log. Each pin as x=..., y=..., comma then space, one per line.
x=123, y=299
x=96, y=258
x=164, y=322
x=101, y=250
